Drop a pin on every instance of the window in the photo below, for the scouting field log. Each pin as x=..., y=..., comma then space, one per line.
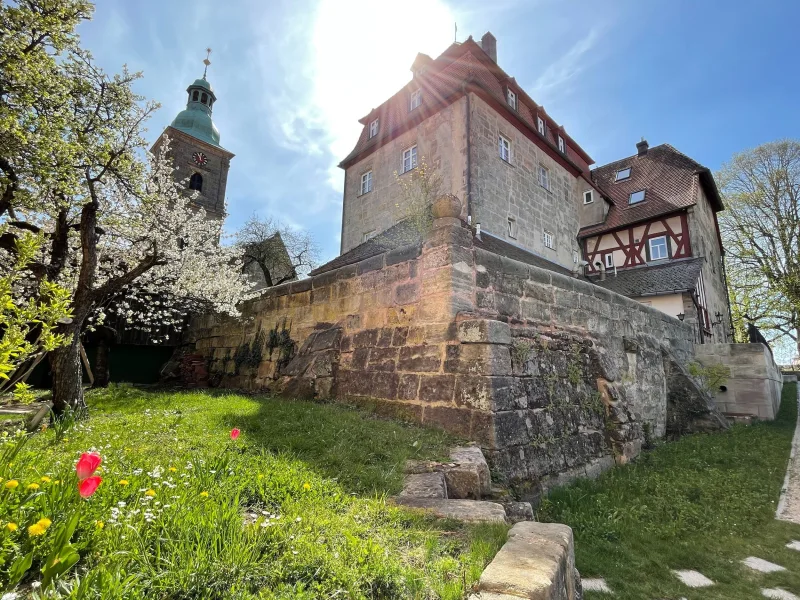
x=373, y=128
x=416, y=99
x=204, y=98
x=409, y=159
x=512, y=228
x=194, y=96
x=588, y=197
x=366, y=182
x=511, y=98
x=658, y=248
x=547, y=238
x=505, y=149
x=562, y=147
x=636, y=197
x=540, y=124
x=196, y=182
x=575, y=257
x=609, y=260
x=623, y=174
x=369, y=235
x=544, y=177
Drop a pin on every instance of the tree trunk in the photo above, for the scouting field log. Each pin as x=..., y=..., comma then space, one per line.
x=101, y=370
x=65, y=363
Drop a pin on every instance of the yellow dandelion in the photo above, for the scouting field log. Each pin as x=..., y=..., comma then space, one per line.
x=46, y=479
x=204, y=494
x=44, y=522
x=12, y=484
x=151, y=492
x=57, y=482
x=261, y=476
x=172, y=469
x=33, y=486
x=36, y=530
x=306, y=486
x=123, y=482
x=12, y=526
x=99, y=524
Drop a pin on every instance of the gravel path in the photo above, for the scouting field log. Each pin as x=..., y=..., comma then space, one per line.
x=789, y=505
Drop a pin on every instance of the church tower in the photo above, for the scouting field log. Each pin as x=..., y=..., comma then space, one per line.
x=195, y=149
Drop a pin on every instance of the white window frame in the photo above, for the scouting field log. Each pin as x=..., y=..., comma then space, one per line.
x=511, y=98
x=547, y=239
x=415, y=100
x=666, y=247
x=620, y=177
x=373, y=128
x=504, y=147
x=562, y=146
x=632, y=194
x=369, y=235
x=411, y=154
x=544, y=177
x=512, y=228
x=588, y=196
x=366, y=183
x=610, y=260
x=540, y=125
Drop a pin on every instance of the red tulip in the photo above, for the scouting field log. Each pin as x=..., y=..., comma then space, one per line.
x=235, y=433
x=89, y=486
x=87, y=464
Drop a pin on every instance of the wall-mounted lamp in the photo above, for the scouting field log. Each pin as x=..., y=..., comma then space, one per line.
x=719, y=319
x=681, y=316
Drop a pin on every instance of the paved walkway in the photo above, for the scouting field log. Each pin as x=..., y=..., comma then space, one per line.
x=789, y=504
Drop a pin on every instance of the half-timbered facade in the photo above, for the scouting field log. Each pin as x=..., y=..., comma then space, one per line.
x=659, y=240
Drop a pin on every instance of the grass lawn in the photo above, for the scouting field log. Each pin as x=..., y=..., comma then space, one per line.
x=705, y=502
x=167, y=521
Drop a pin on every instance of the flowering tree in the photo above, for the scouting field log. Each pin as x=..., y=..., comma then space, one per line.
x=116, y=225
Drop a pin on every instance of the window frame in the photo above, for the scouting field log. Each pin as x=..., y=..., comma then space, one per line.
x=562, y=145
x=630, y=197
x=372, y=133
x=540, y=125
x=511, y=98
x=500, y=139
x=368, y=235
x=590, y=194
x=546, y=235
x=546, y=183
x=416, y=95
x=512, y=228
x=609, y=260
x=618, y=178
x=650, y=247
x=412, y=152
x=366, y=177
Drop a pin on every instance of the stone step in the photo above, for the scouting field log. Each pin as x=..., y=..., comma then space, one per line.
x=424, y=485
x=470, y=511
x=467, y=474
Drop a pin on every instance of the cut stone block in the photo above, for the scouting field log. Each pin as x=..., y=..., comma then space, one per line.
x=793, y=545
x=518, y=511
x=424, y=485
x=693, y=579
x=468, y=476
x=596, y=585
x=470, y=511
x=537, y=561
x=778, y=594
x=761, y=565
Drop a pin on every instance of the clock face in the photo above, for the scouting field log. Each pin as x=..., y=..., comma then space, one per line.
x=200, y=159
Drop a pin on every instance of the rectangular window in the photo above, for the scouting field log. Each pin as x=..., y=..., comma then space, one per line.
x=562, y=147
x=636, y=197
x=369, y=235
x=547, y=239
x=505, y=149
x=588, y=197
x=511, y=98
x=373, y=128
x=658, y=248
x=409, y=159
x=609, y=260
x=416, y=99
x=366, y=182
x=540, y=125
x=544, y=177
x=512, y=228
x=623, y=174
x=575, y=257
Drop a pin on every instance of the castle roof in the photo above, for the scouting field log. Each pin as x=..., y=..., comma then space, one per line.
x=672, y=277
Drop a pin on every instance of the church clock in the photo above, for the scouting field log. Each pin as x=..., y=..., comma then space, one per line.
x=200, y=159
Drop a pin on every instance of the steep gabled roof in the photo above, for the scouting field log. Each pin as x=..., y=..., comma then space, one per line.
x=667, y=177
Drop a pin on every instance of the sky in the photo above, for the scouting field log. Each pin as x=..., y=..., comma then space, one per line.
x=292, y=78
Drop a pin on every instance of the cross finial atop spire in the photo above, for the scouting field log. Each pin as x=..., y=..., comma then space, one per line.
x=206, y=62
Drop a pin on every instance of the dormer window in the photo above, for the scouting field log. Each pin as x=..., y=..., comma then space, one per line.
x=373, y=129
x=623, y=174
x=195, y=95
x=511, y=98
x=416, y=99
x=636, y=197
x=540, y=125
x=562, y=147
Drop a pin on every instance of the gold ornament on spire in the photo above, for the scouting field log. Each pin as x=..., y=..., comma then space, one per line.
x=206, y=62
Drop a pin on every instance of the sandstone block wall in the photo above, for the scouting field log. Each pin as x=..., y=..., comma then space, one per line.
x=755, y=383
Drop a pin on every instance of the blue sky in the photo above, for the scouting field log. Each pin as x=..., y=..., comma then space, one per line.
x=292, y=77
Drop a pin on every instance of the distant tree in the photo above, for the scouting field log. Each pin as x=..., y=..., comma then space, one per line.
x=274, y=251
x=761, y=232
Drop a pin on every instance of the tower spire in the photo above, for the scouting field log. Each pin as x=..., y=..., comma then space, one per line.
x=206, y=61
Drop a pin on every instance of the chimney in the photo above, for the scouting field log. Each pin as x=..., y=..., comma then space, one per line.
x=489, y=45
x=641, y=147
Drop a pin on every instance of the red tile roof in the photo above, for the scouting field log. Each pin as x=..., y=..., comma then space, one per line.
x=668, y=179
x=445, y=79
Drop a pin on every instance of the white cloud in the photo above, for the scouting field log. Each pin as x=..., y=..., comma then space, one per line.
x=561, y=70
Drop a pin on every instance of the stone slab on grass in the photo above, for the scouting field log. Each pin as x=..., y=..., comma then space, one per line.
x=469, y=476
x=424, y=485
x=778, y=594
x=693, y=579
x=793, y=545
x=597, y=584
x=470, y=511
x=537, y=562
x=761, y=565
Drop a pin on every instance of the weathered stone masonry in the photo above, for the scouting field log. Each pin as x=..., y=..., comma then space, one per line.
x=554, y=377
